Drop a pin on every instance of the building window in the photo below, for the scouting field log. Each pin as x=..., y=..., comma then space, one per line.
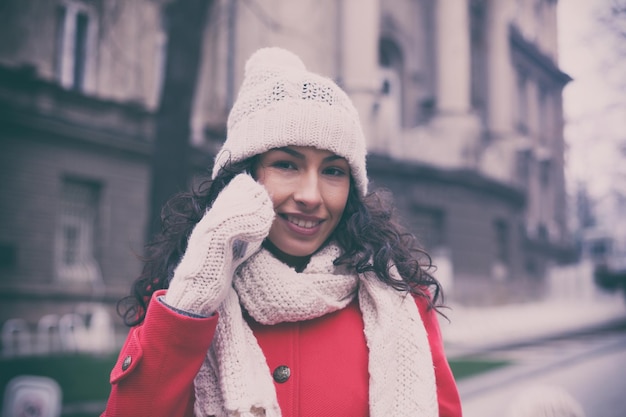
x=160, y=60
x=543, y=115
x=539, y=16
x=542, y=232
x=521, y=108
x=8, y=255
x=76, y=232
x=544, y=172
x=523, y=162
x=74, y=39
x=391, y=65
x=501, y=228
x=531, y=267
x=429, y=225
x=478, y=36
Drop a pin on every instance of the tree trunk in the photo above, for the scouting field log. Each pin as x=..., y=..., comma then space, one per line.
x=186, y=20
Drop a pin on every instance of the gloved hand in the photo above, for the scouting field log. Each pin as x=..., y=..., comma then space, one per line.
x=229, y=233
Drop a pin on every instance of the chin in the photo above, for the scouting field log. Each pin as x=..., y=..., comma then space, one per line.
x=300, y=252
x=298, y=249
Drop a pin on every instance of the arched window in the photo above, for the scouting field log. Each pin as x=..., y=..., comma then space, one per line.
x=76, y=35
x=391, y=65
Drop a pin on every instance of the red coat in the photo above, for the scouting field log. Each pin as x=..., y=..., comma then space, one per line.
x=327, y=357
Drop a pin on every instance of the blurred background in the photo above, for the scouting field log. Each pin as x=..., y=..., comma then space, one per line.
x=497, y=126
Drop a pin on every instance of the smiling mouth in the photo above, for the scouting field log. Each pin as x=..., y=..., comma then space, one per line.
x=305, y=224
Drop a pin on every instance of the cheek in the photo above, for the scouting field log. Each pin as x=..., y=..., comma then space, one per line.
x=337, y=200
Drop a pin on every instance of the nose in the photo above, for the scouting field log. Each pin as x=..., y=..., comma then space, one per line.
x=308, y=191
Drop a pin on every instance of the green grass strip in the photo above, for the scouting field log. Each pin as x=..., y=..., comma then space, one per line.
x=85, y=378
x=464, y=368
x=81, y=377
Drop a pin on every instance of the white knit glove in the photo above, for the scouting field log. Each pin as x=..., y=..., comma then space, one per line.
x=228, y=234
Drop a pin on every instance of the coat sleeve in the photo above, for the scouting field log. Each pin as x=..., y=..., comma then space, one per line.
x=447, y=391
x=154, y=373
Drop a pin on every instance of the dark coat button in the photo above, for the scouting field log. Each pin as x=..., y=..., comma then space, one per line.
x=127, y=361
x=281, y=374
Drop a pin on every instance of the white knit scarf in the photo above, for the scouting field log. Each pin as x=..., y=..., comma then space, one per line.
x=235, y=379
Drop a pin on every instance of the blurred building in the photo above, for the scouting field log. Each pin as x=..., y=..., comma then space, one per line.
x=460, y=100
x=603, y=241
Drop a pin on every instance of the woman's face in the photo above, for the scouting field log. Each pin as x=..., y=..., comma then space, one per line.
x=309, y=188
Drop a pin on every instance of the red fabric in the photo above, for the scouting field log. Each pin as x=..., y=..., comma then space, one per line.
x=447, y=392
x=327, y=358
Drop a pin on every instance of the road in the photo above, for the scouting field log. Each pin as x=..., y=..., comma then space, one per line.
x=590, y=367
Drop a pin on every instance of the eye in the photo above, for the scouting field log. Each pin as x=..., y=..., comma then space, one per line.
x=334, y=171
x=286, y=165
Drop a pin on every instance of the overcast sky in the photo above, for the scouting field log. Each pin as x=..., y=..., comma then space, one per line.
x=595, y=108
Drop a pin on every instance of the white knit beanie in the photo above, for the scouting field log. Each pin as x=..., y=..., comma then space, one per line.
x=280, y=104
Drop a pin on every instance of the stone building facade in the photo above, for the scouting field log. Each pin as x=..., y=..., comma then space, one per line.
x=460, y=101
x=78, y=88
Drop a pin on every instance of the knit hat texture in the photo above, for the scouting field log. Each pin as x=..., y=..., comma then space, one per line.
x=280, y=104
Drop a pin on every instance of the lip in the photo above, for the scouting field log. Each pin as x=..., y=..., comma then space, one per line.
x=308, y=225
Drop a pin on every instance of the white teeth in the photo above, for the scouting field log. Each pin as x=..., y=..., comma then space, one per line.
x=307, y=224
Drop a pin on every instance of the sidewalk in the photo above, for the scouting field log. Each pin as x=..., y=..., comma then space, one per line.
x=474, y=330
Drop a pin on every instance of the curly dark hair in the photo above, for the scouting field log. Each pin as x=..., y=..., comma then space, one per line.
x=368, y=234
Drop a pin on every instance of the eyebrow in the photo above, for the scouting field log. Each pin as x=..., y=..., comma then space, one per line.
x=299, y=155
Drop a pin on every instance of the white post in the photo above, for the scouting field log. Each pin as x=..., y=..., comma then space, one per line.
x=359, y=75
x=453, y=56
x=499, y=68
x=455, y=129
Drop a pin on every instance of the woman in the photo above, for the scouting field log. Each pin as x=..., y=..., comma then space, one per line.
x=282, y=288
